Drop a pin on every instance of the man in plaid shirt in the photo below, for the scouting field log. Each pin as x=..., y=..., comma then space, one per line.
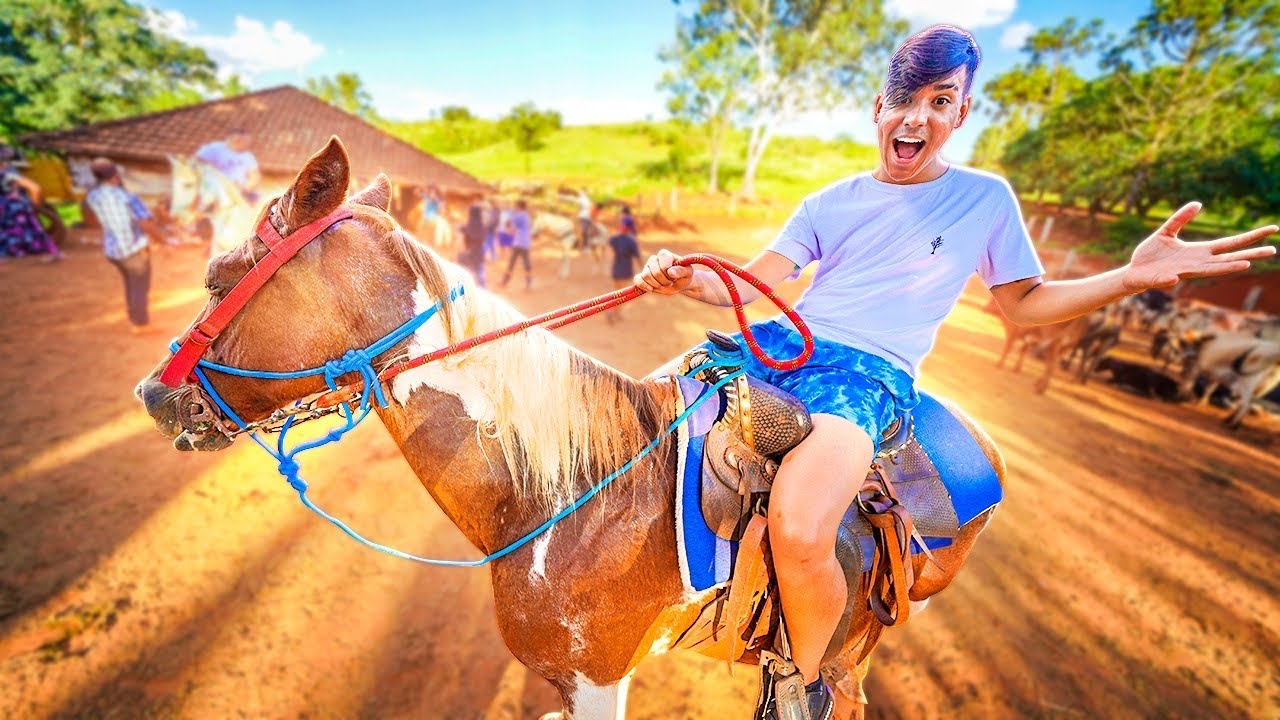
x=123, y=218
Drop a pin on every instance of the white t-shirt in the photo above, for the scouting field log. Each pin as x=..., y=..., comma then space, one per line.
x=893, y=259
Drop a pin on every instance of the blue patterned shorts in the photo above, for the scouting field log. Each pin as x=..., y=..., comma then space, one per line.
x=862, y=388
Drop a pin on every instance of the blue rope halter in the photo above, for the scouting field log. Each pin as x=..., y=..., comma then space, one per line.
x=361, y=360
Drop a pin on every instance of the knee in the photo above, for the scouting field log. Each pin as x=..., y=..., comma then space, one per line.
x=797, y=539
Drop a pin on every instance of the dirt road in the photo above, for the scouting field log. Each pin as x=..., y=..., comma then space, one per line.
x=1131, y=571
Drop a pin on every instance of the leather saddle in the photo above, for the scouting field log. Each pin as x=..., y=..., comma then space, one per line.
x=902, y=501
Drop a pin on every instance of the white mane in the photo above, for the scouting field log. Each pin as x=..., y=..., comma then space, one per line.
x=556, y=414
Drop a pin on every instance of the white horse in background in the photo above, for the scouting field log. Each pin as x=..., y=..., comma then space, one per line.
x=200, y=191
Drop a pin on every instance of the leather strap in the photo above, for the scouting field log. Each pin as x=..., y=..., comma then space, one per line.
x=749, y=576
x=280, y=250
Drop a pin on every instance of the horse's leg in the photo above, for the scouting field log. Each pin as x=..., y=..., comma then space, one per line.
x=1088, y=353
x=1246, y=392
x=1050, y=359
x=1106, y=347
x=1208, y=393
x=1008, y=345
x=585, y=701
x=1022, y=355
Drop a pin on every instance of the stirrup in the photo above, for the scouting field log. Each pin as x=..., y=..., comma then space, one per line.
x=783, y=695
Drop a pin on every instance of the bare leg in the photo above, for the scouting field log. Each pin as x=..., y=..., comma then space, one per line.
x=815, y=485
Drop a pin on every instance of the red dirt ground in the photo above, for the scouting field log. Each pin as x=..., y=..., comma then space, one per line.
x=1131, y=571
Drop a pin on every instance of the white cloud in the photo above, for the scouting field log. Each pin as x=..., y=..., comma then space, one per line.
x=251, y=49
x=968, y=14
x=1015, y=35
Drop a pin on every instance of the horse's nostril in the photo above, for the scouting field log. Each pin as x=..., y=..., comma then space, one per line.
x=137, y=391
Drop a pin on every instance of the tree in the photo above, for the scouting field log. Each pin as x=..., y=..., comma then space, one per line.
x=526, y=125
x=801, y=55
x=676, y=136
x=72, y=62
x=1020, y=96
x=456, y=113
x=345, y=91
x=706, y=86
x=232, y=86
x=1189, y=66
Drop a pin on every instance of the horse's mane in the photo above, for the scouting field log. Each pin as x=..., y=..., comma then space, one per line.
x=557, y=414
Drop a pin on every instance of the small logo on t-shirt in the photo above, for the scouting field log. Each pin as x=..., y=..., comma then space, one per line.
x=937, y=244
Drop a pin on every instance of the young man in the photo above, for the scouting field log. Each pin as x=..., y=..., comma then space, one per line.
x=895, y=247
x=522, y=240
x=123, y=218
x=626, y=251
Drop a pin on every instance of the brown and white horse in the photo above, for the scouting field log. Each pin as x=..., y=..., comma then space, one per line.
x=501, y=436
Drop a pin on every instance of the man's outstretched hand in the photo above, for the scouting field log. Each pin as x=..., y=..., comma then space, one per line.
x=1162, y=259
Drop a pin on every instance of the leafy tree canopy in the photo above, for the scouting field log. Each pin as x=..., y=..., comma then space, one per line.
x=345, y=91
x=526, y=125
x=71, y=62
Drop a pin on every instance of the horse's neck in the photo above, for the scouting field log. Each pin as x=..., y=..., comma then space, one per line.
x=463, y=468
x=446, y=451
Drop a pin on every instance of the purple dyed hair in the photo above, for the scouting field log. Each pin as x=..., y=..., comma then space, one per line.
x=927, y=57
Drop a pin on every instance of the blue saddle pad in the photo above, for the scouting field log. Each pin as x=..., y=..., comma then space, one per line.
x=706, y=560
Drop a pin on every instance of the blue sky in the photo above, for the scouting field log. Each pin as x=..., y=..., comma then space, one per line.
x=593, y=61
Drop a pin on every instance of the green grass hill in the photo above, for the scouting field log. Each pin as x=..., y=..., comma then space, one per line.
x=639, y=158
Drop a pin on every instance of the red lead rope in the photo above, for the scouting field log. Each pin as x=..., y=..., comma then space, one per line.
x=573, y=313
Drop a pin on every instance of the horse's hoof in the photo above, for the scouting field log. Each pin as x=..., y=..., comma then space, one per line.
x=552, y=716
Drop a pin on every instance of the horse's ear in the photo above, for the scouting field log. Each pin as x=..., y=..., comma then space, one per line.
x=378, y=194
x=320, y=188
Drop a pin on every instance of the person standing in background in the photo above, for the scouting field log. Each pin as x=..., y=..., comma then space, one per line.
x=585, y=209
x=506, y=231
x=628, y=221
x=21, y=233
x=436, y=210
x=521, y=226
x=626, y=251
x=473, y=242
x=123, y=219
x=492, y=219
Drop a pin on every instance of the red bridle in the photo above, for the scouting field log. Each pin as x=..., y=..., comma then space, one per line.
x=197, y=340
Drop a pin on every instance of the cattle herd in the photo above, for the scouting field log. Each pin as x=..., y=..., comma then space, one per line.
x=1199, y=352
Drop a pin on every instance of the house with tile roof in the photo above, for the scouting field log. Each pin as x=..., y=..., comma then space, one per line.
x=288, y=125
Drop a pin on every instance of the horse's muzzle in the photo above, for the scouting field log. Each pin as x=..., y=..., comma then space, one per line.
x=183, y=414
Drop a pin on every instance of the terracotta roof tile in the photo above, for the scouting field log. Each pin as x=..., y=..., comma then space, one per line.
x=288, y=126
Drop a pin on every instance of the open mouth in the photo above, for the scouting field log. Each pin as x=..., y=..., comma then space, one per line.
x=907, y=149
